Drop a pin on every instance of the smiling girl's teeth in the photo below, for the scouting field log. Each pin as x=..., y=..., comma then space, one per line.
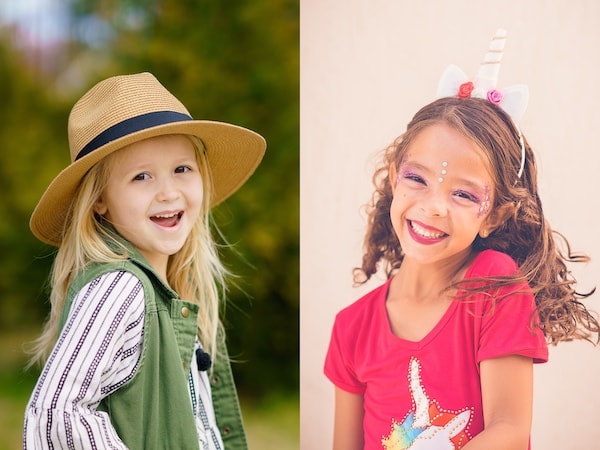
x=167, y=220
x=425, y=233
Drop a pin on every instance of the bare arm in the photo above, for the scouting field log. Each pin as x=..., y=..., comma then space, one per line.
x=348, y=422
x=507, y=393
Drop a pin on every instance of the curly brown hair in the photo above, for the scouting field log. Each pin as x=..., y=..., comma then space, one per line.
x=540, y=252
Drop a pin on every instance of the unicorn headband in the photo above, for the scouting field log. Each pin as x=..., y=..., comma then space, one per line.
x=513, y=99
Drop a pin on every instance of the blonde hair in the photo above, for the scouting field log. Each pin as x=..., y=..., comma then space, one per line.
x=195, y=272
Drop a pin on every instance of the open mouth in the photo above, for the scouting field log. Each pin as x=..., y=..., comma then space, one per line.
x=167, y=220
x=421, y=231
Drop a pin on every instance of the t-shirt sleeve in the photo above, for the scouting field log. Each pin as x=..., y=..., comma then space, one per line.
x=510, y=325
x=339, y=362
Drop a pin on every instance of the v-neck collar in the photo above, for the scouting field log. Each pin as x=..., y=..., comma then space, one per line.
x=439, y=326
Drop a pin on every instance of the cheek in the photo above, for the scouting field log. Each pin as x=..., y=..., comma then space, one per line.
x=195, y=197
x=198, y=194
x=404, y=199
x=394, y=207
x=125, y=203
x=398, y=208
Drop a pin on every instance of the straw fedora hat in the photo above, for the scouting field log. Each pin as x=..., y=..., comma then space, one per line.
x=129, y=108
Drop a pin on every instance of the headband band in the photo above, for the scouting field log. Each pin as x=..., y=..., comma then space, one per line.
x=522, y=144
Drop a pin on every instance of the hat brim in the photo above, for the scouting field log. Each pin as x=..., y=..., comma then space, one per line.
x=233, y=154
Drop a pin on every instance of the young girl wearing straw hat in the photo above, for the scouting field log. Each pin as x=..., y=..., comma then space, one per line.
x=137, y=279
x=441, y=355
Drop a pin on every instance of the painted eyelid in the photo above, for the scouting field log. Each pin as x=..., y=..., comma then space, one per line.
x=408, y=174
x=472, y=197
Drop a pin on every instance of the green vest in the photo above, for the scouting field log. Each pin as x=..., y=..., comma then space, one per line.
x=153, y=411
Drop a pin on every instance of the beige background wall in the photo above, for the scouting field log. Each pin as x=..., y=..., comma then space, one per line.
x=366, y=67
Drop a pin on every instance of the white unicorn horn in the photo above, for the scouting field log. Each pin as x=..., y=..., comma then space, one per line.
x=487, y=77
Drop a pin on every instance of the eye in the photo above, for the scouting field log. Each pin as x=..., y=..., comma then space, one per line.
x=183, y=169
x=141, y=177
x=467, y=196
x=411, y=176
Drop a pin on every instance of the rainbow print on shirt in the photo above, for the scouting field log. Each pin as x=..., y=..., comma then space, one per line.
x=426, y=427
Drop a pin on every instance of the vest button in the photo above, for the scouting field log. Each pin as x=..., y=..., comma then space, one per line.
x=225, y=431
x=185, y=312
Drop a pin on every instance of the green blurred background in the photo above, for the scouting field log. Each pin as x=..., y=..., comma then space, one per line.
x=229, y=61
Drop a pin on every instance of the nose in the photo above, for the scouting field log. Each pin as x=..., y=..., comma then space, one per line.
x=434, y=204
x=167, y=190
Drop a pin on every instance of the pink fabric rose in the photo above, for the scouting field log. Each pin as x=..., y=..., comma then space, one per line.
x=494, y=96
x=465, y=89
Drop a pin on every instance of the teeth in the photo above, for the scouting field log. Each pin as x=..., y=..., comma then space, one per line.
x=425, y=233
x=166, y=216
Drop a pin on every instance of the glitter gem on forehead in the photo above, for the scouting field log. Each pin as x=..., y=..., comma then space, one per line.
x=444, y=171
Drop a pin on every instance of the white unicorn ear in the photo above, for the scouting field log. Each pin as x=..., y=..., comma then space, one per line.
x=450, y=81
x=514, y=101
x=514, y=98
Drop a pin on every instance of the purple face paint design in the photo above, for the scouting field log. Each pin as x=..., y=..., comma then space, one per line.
x=484, y=205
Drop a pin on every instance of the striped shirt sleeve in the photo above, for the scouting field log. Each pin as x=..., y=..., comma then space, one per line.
x=97, y=352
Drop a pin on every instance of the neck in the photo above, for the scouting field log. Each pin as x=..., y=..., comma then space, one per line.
x=159, y=265
x=423, y=281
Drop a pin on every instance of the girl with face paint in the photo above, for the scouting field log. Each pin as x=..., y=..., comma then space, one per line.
x=441, y=355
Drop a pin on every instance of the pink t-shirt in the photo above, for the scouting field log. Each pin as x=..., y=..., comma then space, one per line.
x=427, y=394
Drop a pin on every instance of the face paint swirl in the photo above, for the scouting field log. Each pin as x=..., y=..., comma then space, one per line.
x=484, y=205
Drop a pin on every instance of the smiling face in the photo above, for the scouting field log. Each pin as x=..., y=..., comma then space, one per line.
x=442, y=195
x=154, y=196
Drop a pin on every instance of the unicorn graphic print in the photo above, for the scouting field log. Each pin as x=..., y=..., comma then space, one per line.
x=427, y=426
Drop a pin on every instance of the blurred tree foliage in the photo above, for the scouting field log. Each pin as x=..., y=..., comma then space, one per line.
x=32, y=129
x=228, y=61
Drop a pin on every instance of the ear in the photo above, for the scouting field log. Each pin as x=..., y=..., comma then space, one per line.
x=496, y=218
x=100, y=207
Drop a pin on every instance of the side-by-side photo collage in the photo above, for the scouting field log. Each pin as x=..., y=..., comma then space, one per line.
x=299, y=225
